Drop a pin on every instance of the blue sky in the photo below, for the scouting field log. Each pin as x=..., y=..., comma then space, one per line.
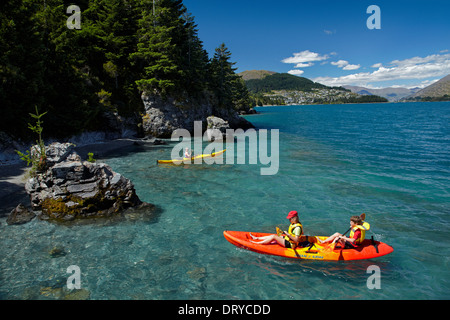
x=329, y=41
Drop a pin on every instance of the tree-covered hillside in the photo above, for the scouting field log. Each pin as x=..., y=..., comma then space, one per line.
x=284, y=88
x=282, y=81
x=123, y=49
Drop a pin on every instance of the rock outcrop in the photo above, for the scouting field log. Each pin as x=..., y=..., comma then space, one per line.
x=20, y=215
x=163, y=116
x=71, y=188
x=217, y=128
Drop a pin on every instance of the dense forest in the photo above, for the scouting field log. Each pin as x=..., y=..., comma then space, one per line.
x=120, y=50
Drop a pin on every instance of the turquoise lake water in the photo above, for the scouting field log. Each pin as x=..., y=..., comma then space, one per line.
x=390, y=161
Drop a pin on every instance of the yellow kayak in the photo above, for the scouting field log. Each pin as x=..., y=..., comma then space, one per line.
x=191, y=160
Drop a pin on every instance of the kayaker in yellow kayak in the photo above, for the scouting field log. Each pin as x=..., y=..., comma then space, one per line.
x=289, y=239
x=188, y=154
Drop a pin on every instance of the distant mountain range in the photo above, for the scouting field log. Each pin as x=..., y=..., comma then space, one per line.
x=392, y=94
x=278, y=81
x=271, y=88
x=436, y=90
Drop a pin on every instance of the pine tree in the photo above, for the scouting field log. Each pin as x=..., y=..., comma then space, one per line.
x=228, y=87
x=222, y=76
x=117, y=24
x=241, y=96
x=156, y=52
x=195, y=59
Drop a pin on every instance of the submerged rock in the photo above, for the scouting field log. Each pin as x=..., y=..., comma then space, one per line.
x=72, y=189
x=80, y=294
x=57, y=252
x=62, y=293
x=198, y=273
x=20, y=215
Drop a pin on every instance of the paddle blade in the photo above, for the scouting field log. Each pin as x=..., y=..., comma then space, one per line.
x=279, y=232
x=331, y=246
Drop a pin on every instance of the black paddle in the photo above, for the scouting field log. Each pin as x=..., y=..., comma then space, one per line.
x=375, y=244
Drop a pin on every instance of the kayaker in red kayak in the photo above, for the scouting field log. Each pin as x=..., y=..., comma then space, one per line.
x=356, y=237
x=289, y=239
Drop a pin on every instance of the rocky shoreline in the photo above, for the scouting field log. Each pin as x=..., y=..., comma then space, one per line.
x=13, y=176
x=72, y=188
x=164, y=116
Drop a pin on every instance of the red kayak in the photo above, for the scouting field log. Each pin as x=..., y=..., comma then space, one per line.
x=369, y=249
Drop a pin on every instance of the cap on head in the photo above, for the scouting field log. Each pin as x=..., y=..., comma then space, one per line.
x=292, y=214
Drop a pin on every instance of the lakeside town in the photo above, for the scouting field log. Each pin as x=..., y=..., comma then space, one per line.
x=291, y=97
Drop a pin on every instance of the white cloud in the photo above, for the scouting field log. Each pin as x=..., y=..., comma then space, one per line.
x=304, y=65
x=432, y=66
x=296, y=72
x=420, y=60
x=340, y=63
x=303, y=59
x=305, y=56
x=352, y=67
x=423, y=84
x=345, y=65
x=377, y=65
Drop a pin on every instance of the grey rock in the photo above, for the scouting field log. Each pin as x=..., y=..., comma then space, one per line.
x=164, y=116
x=20, y=215
x=217, y=128
x=72, y=189
x=57, y=152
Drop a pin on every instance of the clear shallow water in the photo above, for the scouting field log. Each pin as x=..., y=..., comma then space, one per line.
x=391, y=161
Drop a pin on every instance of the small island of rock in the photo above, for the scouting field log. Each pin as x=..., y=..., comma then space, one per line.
x=72, y=189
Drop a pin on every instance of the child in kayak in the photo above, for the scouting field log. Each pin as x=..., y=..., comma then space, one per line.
x=290, y=239
x=356, y=237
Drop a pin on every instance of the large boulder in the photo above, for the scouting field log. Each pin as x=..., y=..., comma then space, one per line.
x=71, y=188
x=165, y=115
x=217, y=128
